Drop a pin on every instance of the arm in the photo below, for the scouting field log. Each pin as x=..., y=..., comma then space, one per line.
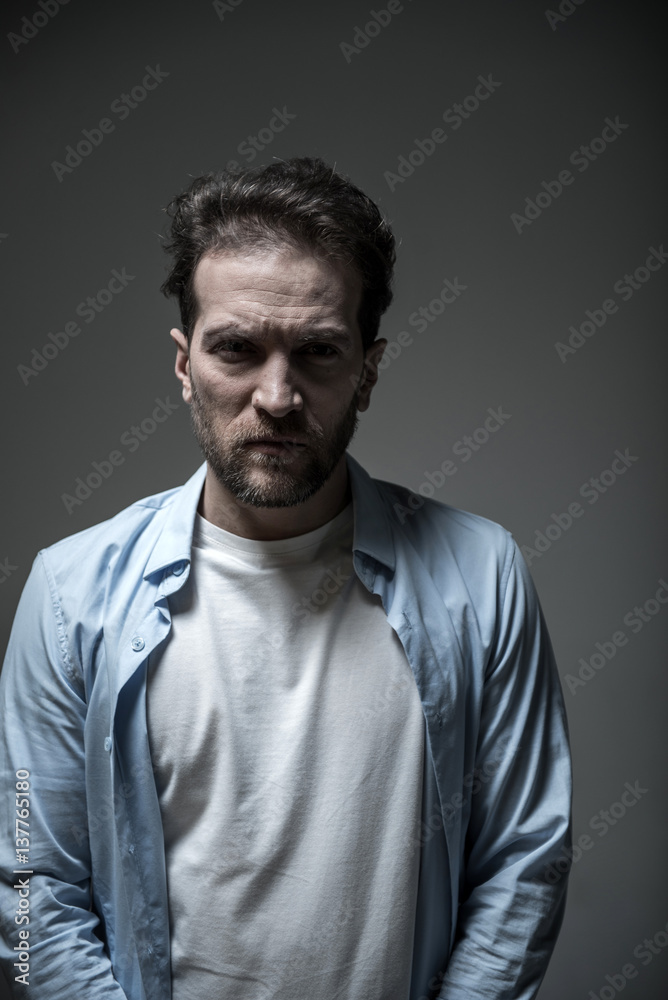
x=43, y=710
x=510, y=913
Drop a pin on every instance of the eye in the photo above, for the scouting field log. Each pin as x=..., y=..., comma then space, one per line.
x=231, y=346
x=320, y=349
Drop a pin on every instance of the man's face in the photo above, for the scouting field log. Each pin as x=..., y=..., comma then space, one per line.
x=272, y=372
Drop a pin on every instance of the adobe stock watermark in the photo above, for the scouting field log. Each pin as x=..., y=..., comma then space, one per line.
x=635, y=620
x=600, y=823
x=131, y=439
x=625, y=287
x=331, y=583
x=455, y=117
x=434, y=983
x=6, y=569
x=646, y=951
x=475, y=781
x=379, y=19
x=465, y=448
x=591, y=491
x=98, y=820
x=383, y=700
x=580, y=158
x=254, y=144
x=121, y=106
x=88, y=309
x=317, y=935
x=30, y=26
x=420, y=319
x=562, y=13
x=223, y=7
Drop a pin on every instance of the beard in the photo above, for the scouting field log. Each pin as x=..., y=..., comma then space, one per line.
x=236, y=467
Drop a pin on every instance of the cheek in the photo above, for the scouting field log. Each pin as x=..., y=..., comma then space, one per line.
x=217, y=392
x=327, y=402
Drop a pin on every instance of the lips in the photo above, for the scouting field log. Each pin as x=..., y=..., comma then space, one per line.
x=276, y=446
x=285, y=442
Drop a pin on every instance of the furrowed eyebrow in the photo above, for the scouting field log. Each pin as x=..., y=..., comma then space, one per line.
x=339, y=335
x=227, y=331
x=238, y=333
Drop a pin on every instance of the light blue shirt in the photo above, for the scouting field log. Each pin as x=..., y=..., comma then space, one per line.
x=495, y=835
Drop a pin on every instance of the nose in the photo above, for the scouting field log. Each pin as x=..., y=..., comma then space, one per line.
x=276, y=391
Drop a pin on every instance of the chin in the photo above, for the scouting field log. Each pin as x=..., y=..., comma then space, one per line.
x=272, y=487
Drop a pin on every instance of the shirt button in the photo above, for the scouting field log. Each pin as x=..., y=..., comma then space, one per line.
x=107, y=743
x=131, y=849
x=138, y=643
x=178, y=569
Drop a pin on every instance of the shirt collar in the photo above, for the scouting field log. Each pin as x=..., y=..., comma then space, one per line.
x=175, y=540
x=372, y=534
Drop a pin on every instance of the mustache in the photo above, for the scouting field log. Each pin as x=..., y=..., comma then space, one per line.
x=278, y=429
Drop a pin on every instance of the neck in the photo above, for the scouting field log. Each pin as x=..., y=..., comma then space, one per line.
x=222, y=508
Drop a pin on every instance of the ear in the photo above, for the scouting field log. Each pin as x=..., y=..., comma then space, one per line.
x=372, y=357
x=182, y=366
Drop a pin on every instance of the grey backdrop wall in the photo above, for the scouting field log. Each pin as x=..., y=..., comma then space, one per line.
x=520, y=154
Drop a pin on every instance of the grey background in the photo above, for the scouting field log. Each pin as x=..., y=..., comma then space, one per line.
x=493, y=347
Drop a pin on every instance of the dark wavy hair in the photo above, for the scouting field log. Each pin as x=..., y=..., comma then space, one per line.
x=301, y=203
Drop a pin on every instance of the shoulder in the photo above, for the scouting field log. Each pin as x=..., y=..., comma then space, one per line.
x=396, y=520
x=432, y=525
x=128, y=537
x=470, y=560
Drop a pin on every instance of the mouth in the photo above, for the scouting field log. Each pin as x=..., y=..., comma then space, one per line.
x=276, y=446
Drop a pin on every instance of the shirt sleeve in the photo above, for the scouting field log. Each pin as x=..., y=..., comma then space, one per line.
x=42, y=711
x=519, y=833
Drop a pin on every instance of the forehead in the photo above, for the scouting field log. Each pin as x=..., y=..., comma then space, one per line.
x=275, y=290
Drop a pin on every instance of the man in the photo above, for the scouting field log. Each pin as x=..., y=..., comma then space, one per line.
x=286, y=731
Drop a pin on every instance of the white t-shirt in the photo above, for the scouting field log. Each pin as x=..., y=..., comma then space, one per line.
x=288, y=736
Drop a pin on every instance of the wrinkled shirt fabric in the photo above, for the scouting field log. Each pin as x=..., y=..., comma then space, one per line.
x=497, y=777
